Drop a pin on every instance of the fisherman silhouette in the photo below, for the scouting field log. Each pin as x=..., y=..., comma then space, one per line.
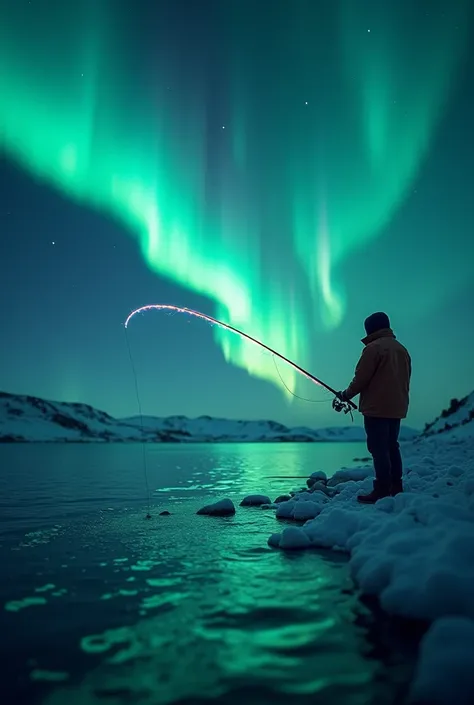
x=382, y=379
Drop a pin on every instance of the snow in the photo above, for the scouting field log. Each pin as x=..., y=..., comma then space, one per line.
x=27, y=418
x=303, y=506
x=346, y=474
x=457, y=419
x=293, y=538
x=445, y=671
x=222, y=508
x=415, y=551
x=255, y=500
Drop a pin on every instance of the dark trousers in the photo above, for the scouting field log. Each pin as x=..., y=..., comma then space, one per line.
x=382, y=444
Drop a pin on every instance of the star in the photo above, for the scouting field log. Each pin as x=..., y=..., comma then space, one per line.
x=53, y=243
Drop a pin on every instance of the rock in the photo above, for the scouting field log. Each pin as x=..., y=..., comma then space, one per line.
x=316, y=477
x=282, y=498
x=223, y=508
x=255, y=500
x=319, y=475
x=165, y=513
x=274, y=540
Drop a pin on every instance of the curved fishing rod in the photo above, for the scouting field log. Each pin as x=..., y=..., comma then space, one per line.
x=179, y=309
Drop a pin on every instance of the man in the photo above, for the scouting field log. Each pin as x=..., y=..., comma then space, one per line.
x=382, y=378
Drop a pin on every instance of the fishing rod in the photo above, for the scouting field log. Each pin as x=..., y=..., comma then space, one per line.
x=338, y=404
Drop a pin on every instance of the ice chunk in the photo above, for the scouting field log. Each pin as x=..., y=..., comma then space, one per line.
x=255, y=500
x=223, y=508
x=294, y=538
x=445, y=672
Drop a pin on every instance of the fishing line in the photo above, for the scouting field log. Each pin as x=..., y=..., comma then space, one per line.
x=145, y=468
x=313, y=401
x=338, y=404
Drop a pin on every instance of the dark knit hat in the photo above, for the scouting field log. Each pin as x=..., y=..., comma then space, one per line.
x=376, y=322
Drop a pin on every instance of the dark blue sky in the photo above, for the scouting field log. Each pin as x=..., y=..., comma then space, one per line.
x=71, y=269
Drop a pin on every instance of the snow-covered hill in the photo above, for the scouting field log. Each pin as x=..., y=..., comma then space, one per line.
x=457, y=419
x=27, y=418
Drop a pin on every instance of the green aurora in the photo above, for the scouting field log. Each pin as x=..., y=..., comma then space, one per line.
x=250, y=166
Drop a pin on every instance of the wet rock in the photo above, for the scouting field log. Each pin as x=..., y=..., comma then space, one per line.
x=223, y=508
x=318, y=477
x=255, y=500
x=282, y=498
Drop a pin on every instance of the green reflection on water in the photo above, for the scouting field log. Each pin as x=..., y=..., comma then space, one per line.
x=217, y=611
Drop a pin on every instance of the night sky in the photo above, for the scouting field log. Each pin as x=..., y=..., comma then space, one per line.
x=287, y=166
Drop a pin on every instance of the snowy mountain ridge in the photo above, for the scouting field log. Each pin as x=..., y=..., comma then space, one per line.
x=458, y=418
x=28, y=419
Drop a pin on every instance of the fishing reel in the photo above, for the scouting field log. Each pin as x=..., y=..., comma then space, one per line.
x=339, y=405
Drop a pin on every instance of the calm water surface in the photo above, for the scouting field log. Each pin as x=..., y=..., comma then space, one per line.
x=99, y=605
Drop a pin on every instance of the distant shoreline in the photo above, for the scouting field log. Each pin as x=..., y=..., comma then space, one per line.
x=98, y=441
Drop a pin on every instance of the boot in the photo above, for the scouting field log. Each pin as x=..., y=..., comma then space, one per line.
x=396, y=488
x=377, y=493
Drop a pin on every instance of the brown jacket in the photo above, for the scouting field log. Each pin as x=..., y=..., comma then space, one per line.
x=382, y=377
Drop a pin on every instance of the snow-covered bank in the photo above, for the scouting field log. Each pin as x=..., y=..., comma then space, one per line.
x=415, y=551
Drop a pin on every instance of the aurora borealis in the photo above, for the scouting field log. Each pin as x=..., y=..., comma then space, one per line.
x=254, y=155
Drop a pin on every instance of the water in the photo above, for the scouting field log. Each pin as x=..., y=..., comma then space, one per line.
x=100, y=605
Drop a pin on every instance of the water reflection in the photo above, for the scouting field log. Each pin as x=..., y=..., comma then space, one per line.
x=181, y=607
x=217, y=611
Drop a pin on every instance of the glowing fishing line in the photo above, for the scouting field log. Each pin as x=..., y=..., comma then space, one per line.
x=137, y=393
x=226, y=326
x=346, y=406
